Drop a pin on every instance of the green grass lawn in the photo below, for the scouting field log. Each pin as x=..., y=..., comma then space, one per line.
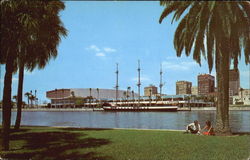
x=106, y=144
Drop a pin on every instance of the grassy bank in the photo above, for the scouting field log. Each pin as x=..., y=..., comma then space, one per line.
x=105, y=144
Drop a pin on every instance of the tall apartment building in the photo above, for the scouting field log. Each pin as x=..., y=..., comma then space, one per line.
x=234, y=82
x=150, y=90
x=183, y=87
x=194, y=90
x=205, y=84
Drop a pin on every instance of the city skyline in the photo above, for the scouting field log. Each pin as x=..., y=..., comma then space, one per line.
x=102, y=34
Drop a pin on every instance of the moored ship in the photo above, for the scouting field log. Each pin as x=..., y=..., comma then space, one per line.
x=151, y=108
x=159, y=108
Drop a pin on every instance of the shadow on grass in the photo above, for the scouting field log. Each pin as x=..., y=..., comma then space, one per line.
x=241, y=133
x=16, y=131
x=55, y=145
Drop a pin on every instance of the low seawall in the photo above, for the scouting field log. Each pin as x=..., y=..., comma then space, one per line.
x=214, y=108
x=57, y=109
x=100, y=109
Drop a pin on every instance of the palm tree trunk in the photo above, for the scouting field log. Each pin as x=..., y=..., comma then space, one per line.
x=222, y=108
x=6, y=112
x=31, y=103
x=19, y=97
x=28, y=98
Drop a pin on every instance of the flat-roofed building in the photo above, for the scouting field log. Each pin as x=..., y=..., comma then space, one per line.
x=234, y=82
x=183, y=87
x=243, y=98
x=206, y=84
x=67, y=97
x=150, y=91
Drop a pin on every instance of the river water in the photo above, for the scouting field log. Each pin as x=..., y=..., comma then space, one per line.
x=239, y=120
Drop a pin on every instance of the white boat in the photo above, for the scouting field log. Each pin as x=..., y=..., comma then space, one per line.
x=141, y=108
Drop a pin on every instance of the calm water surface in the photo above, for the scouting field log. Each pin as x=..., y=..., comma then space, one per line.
x=239, y=120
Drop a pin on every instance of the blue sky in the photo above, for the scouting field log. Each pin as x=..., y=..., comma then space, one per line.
x=101, y=34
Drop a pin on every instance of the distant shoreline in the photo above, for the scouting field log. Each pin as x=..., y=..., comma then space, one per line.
x=57, y=109
x=247, y=108
x=232, y=108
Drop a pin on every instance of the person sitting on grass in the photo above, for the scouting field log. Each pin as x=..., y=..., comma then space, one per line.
x=208, y=129
x=193, y=128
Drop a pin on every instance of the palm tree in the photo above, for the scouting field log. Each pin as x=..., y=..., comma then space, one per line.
x=98, y=92
x=133, y=95
x=124, y=94
x=90, y=95
x=42, y=41
x=128, y=93
x=8, y=43
x=32, y=98
x=15, y=98
x=35, y=98
x=21, y=27
x=73, y=96
x=225, y=28
x=27, y=94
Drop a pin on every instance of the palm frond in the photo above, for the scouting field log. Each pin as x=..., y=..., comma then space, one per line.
x=182, y=7
x=247, y=50
x=169, y=9
x=210, y=42
x=203, y=19
x=191, y=27
x=179, y=37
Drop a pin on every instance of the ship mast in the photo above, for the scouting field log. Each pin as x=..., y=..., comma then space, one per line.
x=161, y=84
x=139, y=82
x=117, y=86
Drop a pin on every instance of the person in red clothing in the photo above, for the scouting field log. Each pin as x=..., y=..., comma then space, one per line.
x=208, y=129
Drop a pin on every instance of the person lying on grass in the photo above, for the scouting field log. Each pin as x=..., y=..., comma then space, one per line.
x=193, y=128
x=208, y=129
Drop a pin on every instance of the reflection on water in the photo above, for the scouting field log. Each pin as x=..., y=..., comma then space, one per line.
x=239, y=120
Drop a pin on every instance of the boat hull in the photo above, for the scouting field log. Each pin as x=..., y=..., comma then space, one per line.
x=142, y=109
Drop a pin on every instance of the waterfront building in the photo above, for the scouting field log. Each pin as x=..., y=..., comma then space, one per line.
x=194, y=90
x=206, y=84
x=150, y=90
x=68, y=97
x=234, y=82
x=183, y=87
x=244, y=92
x=243, y=98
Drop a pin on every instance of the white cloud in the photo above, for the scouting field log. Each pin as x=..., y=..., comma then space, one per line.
x=109, y=50
x=100, y=54
x=93, y=48
x=178, y=66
